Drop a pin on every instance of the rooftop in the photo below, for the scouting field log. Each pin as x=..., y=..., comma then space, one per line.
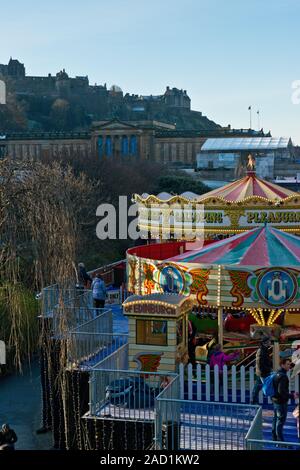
x=224, y=131
x=248, y=143
x=171, y=299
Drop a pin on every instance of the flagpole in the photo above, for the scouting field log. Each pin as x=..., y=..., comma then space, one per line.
x=250, y=109
x=258, y=120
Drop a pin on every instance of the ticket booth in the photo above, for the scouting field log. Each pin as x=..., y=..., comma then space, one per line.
x=158, y=331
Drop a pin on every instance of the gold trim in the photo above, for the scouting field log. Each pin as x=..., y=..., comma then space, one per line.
x=221, y=230
x=151, y=198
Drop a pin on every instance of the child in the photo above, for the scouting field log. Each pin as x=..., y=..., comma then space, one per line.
x=219, y=358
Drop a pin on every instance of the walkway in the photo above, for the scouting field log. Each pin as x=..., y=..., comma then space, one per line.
x=289, y=431
x=20, y=406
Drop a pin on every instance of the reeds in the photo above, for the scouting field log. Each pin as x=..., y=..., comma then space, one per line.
x=41, y=209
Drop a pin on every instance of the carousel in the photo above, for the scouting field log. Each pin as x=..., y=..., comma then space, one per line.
x=244, y=286
x=236, y=207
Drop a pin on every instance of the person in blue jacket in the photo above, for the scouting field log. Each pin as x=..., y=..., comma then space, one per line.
x=98, y=291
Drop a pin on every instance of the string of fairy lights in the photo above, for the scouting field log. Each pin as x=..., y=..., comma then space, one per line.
x=109, y=432
x=259, y=315
x=179, y=199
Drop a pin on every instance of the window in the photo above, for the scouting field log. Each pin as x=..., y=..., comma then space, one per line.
x=125, y=145
x=2, y=151
x=100, y=146
x=133, y=145
x=151, y=332
x=108, y=146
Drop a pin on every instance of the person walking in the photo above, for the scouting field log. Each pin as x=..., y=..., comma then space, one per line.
x=280, y=399
x=84, y=279
x=8, y=438
x=98, y=291
x=263, y=367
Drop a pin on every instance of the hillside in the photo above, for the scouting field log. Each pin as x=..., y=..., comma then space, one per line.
x=62, y=103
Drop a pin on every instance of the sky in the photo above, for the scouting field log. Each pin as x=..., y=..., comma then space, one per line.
x=228, y=55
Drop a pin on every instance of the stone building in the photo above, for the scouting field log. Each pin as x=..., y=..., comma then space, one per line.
x=97, y=102
x=13, y=69
x=147, y=140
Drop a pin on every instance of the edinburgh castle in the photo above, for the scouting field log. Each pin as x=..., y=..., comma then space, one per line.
x=57, y=113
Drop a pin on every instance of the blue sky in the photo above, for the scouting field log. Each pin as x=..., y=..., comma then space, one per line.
x=226, y=54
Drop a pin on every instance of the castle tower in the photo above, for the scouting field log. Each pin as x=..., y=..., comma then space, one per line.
x=15, y=68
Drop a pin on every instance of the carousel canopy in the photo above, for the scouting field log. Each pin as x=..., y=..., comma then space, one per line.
x=249, y=186
x=265, y=246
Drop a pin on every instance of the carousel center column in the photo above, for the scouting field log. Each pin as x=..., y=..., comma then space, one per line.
x=220, y=308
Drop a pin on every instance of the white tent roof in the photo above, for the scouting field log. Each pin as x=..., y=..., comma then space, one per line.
x=246, y=143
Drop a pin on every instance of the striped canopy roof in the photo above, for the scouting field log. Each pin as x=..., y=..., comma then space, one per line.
x=265, y=246
x=249, y=186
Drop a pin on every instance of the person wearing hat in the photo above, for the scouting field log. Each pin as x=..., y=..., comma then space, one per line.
x=263, y=367
x=84, y=280
x=8, y=438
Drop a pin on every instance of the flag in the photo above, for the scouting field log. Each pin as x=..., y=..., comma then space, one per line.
x=249, y=108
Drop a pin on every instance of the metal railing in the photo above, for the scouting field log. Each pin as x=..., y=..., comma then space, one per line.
x=167, y=417
x=179, y=424
x=92, y=341
x=255, y=432
x=57, y=303
x=118, y=360
x=87, y=350
x=55, y=295
x=255, y=441
x=125, y=394
x=93, y=320
x=195, y=425
x=260, y=444
x=70, y=315
x=49, y=299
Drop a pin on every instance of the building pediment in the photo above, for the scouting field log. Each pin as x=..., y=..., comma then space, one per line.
x=113, y=125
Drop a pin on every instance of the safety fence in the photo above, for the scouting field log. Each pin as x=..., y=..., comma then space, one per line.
x=118, y=359
x=60, y=295
x=66, y=307
x=100, y=320
x=139, y=396
x=231, y=384
x=255, y=441
x=87, y=350
x=125, y=394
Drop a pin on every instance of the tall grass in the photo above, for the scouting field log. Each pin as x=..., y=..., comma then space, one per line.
x=18, y=324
